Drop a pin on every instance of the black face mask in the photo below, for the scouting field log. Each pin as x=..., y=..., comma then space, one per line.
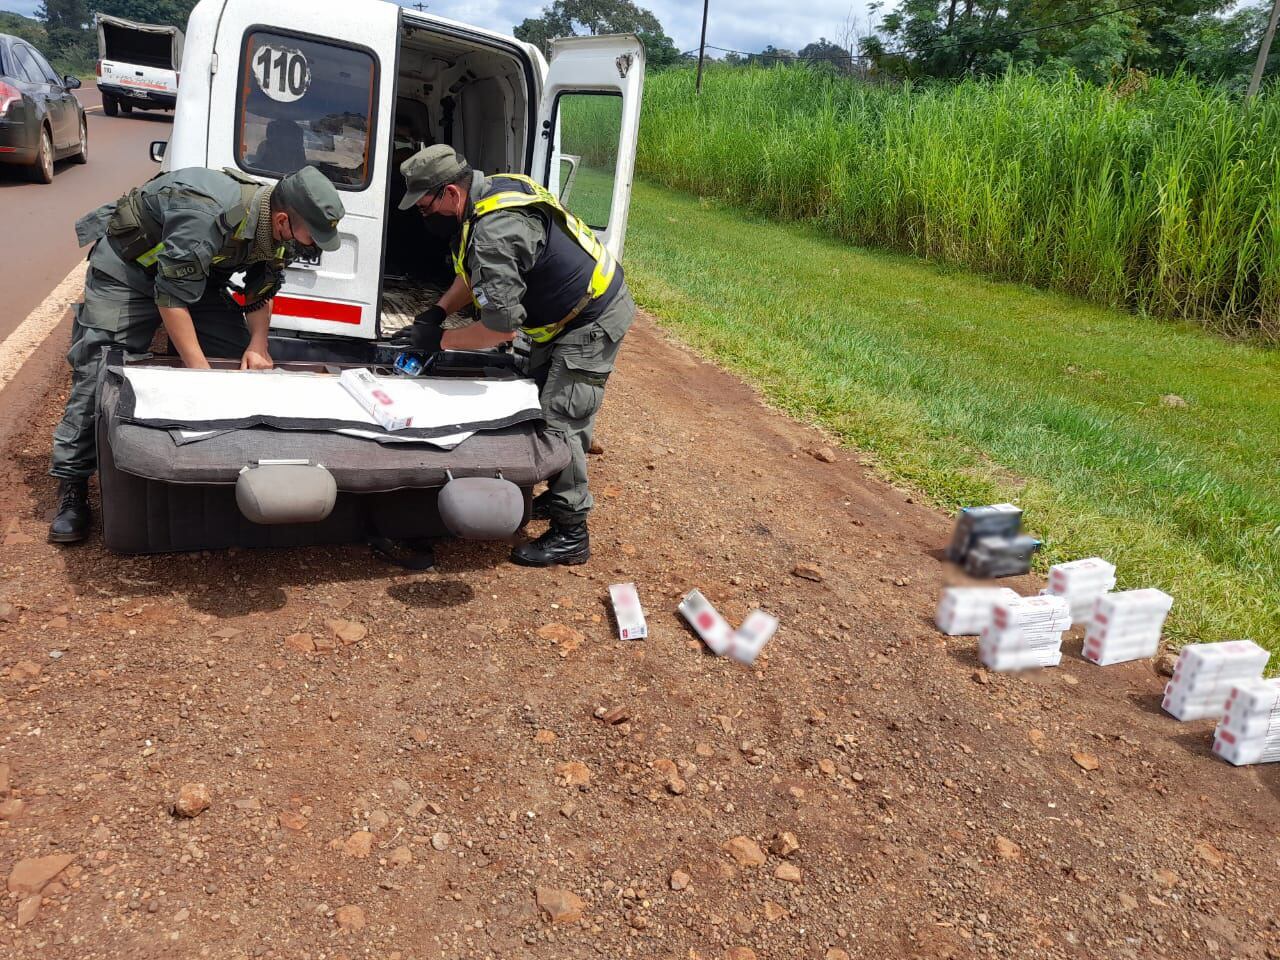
x=441, y=225
x=304, y=251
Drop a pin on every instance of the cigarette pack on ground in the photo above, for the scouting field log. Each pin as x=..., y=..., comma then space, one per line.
x=628, y=612
x=754, y=633
x=996, y=520
x=1126, y=626
x=965, y=611
x=372, y=394
x=1081, y=582
x=1024, y=632
x=992, y=557
x=1205, y=674
x=707, y=622
x=1249, y=731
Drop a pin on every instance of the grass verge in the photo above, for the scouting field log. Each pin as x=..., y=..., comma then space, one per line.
x=972, y=390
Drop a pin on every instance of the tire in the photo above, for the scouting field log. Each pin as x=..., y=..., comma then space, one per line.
x=82, y=155
x=110, y=105
x=42, y=170
x=126, y=108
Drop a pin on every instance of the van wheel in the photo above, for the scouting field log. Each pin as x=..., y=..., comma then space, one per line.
x=42, y=169
x=126, y=108
x=82, y=155
x=110, y=106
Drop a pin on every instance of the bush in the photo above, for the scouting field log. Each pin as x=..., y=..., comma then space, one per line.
x=1161, y=195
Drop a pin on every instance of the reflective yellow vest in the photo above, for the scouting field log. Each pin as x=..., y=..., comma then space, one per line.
x=605, y=265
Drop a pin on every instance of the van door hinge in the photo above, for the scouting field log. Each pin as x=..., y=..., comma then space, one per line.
x=213, y=64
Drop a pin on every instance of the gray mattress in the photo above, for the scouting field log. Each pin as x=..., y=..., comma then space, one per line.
x=524, y=454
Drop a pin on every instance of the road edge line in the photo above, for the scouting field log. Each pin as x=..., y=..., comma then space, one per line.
x=17, y=348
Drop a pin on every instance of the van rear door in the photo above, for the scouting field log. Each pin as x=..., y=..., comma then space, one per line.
x=588, y=123
x=282, y=98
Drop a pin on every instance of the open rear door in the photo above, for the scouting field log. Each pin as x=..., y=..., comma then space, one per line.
x=588, y=122
x=294, y=84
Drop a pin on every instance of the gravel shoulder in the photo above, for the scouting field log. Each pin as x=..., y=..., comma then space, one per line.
x=468, y=763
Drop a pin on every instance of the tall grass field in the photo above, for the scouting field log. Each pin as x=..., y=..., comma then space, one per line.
x=1160, y=196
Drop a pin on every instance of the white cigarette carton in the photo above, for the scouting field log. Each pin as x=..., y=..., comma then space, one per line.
x=707, y=622
x=1205, y=674
x=964, y=611
x=1249, y=731
x=628, y=612
x=751, y=637
x=373, y=396
x=1025, y=632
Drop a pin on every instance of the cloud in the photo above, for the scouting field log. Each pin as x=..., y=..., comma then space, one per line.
x=25, y=7
x=741, y=24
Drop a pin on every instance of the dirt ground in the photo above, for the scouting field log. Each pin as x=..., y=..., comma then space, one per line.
x=436, y=780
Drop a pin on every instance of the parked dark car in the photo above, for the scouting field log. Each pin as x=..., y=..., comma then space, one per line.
x=40, y=118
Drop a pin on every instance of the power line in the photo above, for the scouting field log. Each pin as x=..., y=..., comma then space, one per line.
x=951, y=44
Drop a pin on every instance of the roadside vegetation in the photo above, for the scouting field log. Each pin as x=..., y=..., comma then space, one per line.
x=1159, y=195
x=1155, y=445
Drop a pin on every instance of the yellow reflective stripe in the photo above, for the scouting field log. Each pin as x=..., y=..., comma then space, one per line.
x=149, y=258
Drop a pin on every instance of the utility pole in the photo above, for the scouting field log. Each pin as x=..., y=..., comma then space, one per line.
x=1264, y=51
x=702, y=44
x=419, y=6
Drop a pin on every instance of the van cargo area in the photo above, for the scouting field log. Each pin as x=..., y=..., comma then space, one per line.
x=449, y=89
x=145, y=48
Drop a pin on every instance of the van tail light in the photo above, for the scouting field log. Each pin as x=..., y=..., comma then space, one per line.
x=9, y=95
x=97, y=68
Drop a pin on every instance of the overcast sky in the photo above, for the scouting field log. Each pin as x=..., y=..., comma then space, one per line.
x=740, y=24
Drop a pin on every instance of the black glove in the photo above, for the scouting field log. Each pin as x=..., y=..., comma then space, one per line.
x=424, y=333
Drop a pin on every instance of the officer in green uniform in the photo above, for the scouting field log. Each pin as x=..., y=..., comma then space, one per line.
x=165, y=253
x=529, y=265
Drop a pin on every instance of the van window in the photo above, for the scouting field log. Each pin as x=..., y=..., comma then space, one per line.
x=590, y=125
x=303, y=102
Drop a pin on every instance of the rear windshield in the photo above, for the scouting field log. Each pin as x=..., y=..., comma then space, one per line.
x=134, y=46
x=303, y=102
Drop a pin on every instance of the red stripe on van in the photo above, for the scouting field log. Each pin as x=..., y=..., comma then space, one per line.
x=316, y=309
x=312, y=309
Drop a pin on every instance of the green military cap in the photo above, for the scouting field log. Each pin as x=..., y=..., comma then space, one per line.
x=430, y=169
x=309, y=194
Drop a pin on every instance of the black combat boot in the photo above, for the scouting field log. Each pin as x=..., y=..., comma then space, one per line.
x=71, y=525
x=567, y=544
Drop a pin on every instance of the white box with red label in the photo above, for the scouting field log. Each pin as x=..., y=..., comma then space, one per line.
x=628, y=612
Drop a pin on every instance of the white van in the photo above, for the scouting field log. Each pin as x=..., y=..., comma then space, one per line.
x=138, y=65
x=269, y=88
x=193, y=462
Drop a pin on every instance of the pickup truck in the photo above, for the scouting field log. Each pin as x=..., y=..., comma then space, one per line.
x=352, y=87
x=138, y=65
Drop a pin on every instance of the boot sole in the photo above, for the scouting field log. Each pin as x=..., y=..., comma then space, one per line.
x=67, y=537
x=573, y=560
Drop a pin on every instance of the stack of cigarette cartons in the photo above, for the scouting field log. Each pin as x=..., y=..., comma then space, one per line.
x=1024, y=632
x=1081, y=582
x=1126, y=626
x=1206, y=672
x=743, y=644
x=1249, y=731
x=964, y=611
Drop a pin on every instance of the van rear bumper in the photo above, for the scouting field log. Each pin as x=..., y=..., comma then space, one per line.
x=158, y=99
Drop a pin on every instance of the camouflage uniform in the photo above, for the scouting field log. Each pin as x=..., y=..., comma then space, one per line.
x=572, y=369
x=212, y=226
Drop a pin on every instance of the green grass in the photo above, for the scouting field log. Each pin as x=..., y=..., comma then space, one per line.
x=976, y=391
x=1162, y=197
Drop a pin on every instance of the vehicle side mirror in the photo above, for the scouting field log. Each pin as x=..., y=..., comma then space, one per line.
x=71, y=83
x=157, y=149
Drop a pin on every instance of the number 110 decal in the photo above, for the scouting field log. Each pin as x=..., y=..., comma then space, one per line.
x=282, y=74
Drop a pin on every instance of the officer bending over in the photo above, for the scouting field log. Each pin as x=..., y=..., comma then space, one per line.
x=165, y=253
x=531, y=265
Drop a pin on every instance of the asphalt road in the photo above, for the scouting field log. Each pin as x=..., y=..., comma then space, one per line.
x=37, y=241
